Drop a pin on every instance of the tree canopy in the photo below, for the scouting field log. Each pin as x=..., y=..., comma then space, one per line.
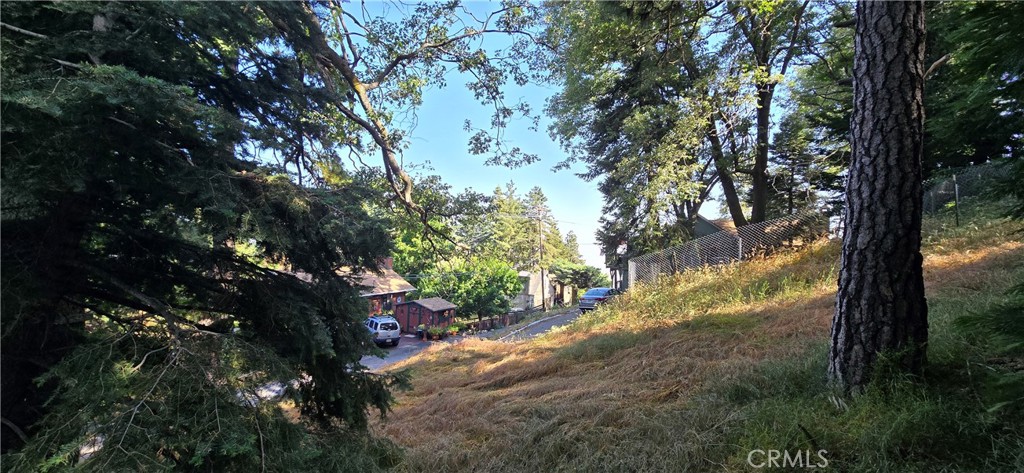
x=175, y=212
x=664, y=101
x=670, y=105
x=481, y=287
x=517, y=229
x=577, y=275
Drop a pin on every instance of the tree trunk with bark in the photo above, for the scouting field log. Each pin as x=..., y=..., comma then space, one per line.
x=759, y=176
x=732, y=196
x=880, y=305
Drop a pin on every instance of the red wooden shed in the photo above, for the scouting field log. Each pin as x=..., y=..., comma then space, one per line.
x=432, y=312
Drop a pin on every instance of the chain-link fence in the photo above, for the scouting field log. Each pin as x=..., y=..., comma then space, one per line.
x=750, y=240
x=943, y=192
x=729, y=245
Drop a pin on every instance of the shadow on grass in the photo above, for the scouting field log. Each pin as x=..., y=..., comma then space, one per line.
x=698, y=394
x=936, y=422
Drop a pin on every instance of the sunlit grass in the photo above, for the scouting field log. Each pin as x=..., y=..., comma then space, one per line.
x=690, y=373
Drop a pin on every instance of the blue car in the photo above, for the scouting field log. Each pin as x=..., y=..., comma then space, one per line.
x=596, y=296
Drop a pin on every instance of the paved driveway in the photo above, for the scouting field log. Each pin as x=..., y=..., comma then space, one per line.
x=410, y=345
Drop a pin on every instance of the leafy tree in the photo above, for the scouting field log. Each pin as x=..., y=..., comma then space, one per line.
x=590, y=276
x=580, y=276
x=505, y=232
x=665, y=100
x=803, y=178
x=572, y=248
x=484, y=287
x=548, y=233
x=417, y=246
x=619, y=112
x=774, y=34
x=972, y=99
x=512, y=228
x=821, y=93
x=374, y=70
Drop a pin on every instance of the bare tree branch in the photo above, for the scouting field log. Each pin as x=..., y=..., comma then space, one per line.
x=23, y=31
x=14, y=428
x=937, y=64
x=40, y=36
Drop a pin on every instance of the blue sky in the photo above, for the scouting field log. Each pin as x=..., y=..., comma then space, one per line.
x=439, y=138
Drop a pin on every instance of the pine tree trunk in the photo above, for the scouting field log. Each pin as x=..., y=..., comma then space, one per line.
x=880, y=305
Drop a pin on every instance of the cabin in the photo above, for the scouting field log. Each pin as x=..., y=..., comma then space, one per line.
x=383, y=289
x=431, y=312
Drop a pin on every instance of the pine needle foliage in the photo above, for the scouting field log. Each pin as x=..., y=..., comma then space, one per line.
x=170, y=294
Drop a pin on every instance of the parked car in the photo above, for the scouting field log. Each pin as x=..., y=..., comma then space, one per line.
x=384, y=329
x=595, y=296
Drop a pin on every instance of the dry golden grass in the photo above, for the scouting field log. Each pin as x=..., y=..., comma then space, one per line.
x=611, y=391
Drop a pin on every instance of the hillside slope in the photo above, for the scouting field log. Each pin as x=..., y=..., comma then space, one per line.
x=693, y=373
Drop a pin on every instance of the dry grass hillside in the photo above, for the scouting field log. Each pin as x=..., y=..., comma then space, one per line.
x=692, y=373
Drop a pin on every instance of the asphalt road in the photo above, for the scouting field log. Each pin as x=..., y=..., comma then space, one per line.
x=406, y=348
x=410, y=346
x=542, y=326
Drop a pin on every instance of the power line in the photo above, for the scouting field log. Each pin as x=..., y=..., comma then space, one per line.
x=529, y=217
x=438, y=275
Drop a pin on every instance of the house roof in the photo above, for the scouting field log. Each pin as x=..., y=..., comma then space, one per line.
x=724, y=224
x=434, y=304
x=376, y=283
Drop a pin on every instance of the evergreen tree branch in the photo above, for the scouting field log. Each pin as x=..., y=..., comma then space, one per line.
x=40, y=36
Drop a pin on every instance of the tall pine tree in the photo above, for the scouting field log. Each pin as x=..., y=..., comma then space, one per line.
x=880, y=305
x=153, y=229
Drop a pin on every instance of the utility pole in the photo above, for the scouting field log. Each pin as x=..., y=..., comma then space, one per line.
x=540, y=263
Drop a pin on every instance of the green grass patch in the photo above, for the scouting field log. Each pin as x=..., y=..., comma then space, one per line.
x=601, y=346
x=899, y=425
x=943, y=421
x=693, y=372
x=790, y=275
